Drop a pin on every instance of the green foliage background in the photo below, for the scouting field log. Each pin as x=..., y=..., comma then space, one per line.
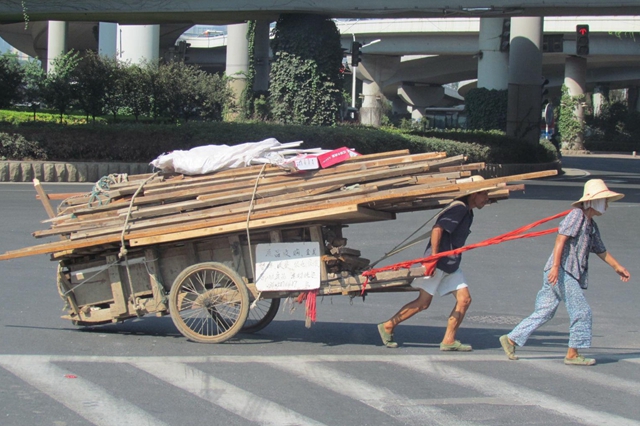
x=486, y=109
x=305, y=79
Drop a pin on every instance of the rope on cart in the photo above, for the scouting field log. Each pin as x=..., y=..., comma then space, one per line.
x=123, y=249
x=429, y=262
x=253, y=197
x=400, y=247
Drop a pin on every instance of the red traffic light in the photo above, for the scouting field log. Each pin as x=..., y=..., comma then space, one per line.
x=582, y=30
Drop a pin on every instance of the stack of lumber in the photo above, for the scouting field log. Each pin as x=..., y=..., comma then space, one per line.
x=152, y=209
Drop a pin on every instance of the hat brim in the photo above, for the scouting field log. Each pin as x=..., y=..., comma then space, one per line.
x=609, y=195
x=475, y=191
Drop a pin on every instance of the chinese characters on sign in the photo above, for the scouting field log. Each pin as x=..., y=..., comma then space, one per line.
x=288, y=266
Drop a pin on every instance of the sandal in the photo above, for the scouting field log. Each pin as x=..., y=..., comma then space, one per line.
x=456, y=346
x=387, y=338
x=509, y=349
x=579, y=360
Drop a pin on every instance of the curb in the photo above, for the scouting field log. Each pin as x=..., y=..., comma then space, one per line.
x=45, y=171
x=499, y=170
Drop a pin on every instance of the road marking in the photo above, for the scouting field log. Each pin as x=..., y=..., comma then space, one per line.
x=513, y=392
x=381, y=399
x=231, y=398
x=86, y=399
x=97, y=406
x=629, y=386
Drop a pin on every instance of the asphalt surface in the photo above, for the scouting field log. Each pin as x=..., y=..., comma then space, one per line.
x=337, y=372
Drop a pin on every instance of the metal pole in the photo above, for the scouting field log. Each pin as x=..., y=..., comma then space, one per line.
x=354, y=70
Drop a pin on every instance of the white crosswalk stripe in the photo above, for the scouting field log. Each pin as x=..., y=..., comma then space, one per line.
x=86, y=399
x=223, y=394
x=374, y=396
x=99, y=407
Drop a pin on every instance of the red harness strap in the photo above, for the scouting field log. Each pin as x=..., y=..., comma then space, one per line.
x=430, y=262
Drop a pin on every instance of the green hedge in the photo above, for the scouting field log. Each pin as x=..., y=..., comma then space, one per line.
x=135, y=142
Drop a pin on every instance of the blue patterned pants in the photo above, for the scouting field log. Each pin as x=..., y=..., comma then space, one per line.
x=567, y=289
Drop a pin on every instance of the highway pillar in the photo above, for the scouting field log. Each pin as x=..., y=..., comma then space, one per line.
x=374, y=71
x=56, y=42
x=237, y=57
x=493, y=64
x=525, y=79
x=108, y=39
x=138, y=43
x=261, y=56
x=575, y=78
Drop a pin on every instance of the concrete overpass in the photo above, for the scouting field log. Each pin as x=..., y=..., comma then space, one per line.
x=225, y=12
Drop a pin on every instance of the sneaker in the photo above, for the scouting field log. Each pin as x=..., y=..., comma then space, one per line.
x=579, y=360
x=456, y=346
x=509, y=349
x=387, y=338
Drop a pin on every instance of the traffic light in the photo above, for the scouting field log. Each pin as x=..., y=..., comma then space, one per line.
x=356, y=53
x=543, y=86
x=582, y=40
x=505, y=35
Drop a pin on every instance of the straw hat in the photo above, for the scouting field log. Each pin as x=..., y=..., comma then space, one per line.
x=595, y=189
x=474, y=178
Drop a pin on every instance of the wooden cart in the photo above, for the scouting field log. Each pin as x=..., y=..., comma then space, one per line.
x=206, y=284
x=185, y=246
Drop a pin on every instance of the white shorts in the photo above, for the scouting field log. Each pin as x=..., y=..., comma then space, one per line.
x=441, y=282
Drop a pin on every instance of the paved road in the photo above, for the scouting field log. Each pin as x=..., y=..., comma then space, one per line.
x=337, y=372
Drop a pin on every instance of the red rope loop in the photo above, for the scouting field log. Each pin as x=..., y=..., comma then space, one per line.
x=430, y=262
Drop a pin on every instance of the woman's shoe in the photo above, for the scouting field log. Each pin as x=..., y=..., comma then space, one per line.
x=579, y=360
x=509, y=349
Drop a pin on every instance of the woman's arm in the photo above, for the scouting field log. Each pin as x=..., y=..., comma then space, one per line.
x=561, y=240
x=620, y=270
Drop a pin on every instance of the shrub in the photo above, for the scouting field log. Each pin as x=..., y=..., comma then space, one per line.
x=16, y=147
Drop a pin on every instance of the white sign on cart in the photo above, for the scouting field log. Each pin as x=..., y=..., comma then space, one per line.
x=288, y=266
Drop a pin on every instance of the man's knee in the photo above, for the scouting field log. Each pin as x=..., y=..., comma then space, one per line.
x=463, y=299
x=424, y=300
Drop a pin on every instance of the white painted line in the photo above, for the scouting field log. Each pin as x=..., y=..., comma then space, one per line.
x=223, y=394
x=86, y=399
x=590, y=375
x=510, y=392
x=381, y=399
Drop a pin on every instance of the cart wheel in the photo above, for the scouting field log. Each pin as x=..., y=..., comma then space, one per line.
x=261, y=315
x=209, y=302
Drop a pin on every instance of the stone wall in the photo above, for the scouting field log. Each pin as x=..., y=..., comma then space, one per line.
x=45, y=171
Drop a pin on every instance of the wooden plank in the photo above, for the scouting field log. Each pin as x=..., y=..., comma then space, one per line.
x=349, y=212
x=44, y=198
x=119, y=305
x=316, y=236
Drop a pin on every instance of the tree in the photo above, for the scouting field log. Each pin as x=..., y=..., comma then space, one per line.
x=305, y=78
x=58, y=86
x=135, y=88
x=114, y=94
x=92, y=79
x=569, y=127
x=33, y=85
x=11, y=75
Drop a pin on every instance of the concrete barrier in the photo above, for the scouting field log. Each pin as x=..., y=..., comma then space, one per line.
x=45, y=171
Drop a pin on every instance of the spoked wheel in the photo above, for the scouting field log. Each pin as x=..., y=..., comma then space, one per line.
x=261, y=315
x=209, y=302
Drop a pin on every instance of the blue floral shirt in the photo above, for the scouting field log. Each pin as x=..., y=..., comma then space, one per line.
x=584, y=239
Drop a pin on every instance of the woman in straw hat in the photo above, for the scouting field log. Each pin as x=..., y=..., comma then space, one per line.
x=565, y=275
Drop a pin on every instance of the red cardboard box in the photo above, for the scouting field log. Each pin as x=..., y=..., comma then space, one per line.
x=336, y=156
